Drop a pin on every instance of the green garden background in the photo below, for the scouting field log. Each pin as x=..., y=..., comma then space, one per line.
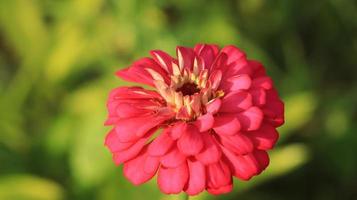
x=57, y=65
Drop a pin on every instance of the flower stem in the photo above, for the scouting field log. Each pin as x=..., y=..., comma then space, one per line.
x=186, y=197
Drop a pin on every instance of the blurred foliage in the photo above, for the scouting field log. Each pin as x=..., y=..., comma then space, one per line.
x=57, y=60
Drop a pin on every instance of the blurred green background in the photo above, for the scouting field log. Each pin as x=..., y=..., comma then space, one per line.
x=57, y=64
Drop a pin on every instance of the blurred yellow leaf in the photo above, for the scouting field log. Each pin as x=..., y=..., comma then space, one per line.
x=66, y=51
x=22, y=24
x=28, y=187
x=299, y=110
x=90, y=161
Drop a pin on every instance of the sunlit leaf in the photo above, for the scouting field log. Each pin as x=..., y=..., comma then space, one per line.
x=90, y=161
x=299, y=110
x=28, y=187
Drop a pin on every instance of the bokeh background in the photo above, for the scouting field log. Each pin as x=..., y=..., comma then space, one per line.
x=57, y=64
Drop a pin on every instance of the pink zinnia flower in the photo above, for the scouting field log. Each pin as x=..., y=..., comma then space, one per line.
x=214, y=111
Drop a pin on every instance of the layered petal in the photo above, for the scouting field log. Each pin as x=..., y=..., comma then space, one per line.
x=262, y=157
x=213, y=106
x=236, y=102
x=220, y=190
x=205, y=122
x=173, y=158
x=215, y=79
x=130, y=152
x=251, y=119
x=132, y=93
x=226, y=125
x=211, y=152
x=238, y=143
x=190, y=142
x=264, y=82
x=130, y=102
x=274, y=108
x=113, y=143
x=185, y=57
x=141, y=72
x=197, y=177
x=162, y=144
x=236, y=83
x=257, y=67
x=173, y=180
x=207, y=53
x=233, y=53
x=219, y=178
x=246, y=166
x=131, y=129
x=259, y=96
x=163, y=59
x=141, y=169
x=265, y=137
x=177, y=130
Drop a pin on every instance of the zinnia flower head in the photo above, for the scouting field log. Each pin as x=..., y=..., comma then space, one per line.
x=214, y=112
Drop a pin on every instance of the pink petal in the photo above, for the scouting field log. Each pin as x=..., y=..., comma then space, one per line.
x=264, y=82
x=163, y=59
x=128, y=110
x=211, y=152
x=161, y=144
x=183, y=113
x=215, y=79
x=197, y=177
x=185, y=57
x=199, y=48
x=236, y=102
x=177, y=130
x=220, y=63
x=141, y=169
x=151, y=164
x=113, y=143
x=190, y=142
x=208, y=54
x=236, y=83
x=251, y=119
x=237, y=68
x=259, y=96
x=213, y=106
x=274, y=108
x=226, y=125
x=233, y=53
x=126, y=102
x=221, y=190
x=137, y=72
x=262, y=157
x=204, y=122
x=243, y=166
x=131, y=129
x=132, y=151
x=265, y=137
x=172, y=180
x=132, y=93
x=218, y=175
x=173, y=158
x=257, y=67
x=239, y=143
